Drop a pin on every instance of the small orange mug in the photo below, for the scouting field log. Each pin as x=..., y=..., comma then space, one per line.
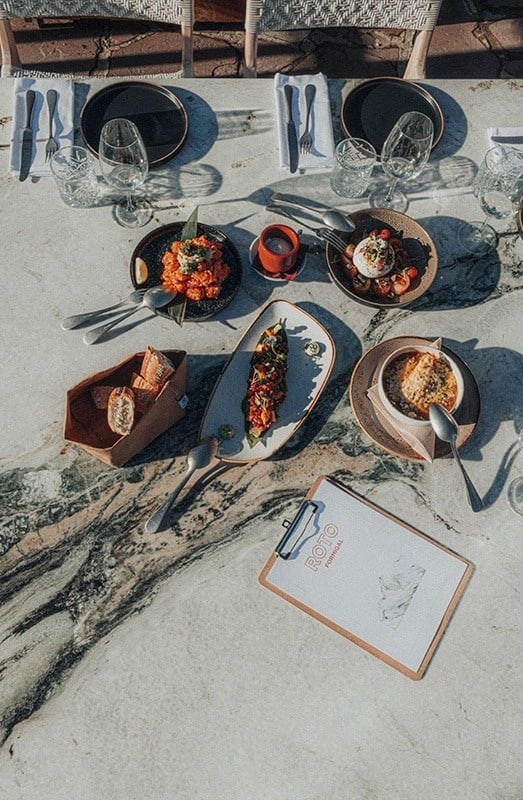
x=278, y=248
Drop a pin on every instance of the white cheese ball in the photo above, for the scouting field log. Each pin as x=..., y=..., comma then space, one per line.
x=373, y=257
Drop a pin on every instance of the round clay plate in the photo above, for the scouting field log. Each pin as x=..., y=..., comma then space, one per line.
x=417, y=242
x=364, y=376
x=151, y=250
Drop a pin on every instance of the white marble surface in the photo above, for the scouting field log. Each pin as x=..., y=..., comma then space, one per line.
x=126, y=676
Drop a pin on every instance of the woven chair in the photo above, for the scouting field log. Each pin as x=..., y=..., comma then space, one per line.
x=177, y=12
x=280, y=15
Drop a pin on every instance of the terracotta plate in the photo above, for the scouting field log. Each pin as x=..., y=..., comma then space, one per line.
x=157, y=113
x=418, y=244
x=306, y=378
x=371, y=109
x=363, y=377
x=151, y=250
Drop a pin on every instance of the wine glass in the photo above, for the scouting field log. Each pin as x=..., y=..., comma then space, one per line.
x=515, y=489
x=404, y=153
x=497, y=186
x=124, y=165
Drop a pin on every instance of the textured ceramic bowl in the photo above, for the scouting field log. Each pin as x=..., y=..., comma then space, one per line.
x=389, y=406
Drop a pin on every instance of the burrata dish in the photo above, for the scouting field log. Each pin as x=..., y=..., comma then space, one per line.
x=374, y=257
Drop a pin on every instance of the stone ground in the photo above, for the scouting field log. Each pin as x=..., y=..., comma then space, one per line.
x=474, y=39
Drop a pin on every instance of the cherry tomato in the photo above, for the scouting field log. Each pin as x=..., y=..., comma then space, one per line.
x=361, y=284
x=347, y=254
x=384, y=233
x=412, y=272
x=352, y=271
x=381, y=286
x=400, y=284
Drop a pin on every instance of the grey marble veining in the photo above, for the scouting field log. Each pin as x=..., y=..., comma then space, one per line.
x=75, y=562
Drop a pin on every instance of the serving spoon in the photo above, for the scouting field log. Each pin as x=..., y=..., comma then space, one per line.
x=446, y=428
x=197, y=457
x=154, y=298
x=79, y=319
x=332, y=217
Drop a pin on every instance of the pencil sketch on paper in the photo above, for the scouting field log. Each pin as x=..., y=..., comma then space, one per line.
x=397, y=590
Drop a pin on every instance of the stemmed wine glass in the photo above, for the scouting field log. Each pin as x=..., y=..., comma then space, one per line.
x=405, y=152
x=497, y=186
x=124, y=165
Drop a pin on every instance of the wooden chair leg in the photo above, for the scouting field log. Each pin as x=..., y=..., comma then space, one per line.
x=415, y=69
x=250, y=55
x=8, y=49
x=187, y=52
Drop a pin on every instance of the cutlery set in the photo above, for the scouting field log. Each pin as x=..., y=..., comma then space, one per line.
x=153, y=298
x=305, y=143
x=52, y=146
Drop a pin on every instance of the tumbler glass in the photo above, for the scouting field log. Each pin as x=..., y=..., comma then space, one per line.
x=355, y=159
x=73, y=171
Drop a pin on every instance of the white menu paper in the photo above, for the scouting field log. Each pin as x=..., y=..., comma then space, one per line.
x=368, y=575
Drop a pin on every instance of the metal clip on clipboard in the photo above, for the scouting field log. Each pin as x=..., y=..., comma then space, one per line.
x=296, y=528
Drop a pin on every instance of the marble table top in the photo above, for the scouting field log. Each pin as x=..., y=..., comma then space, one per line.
x=93, y=609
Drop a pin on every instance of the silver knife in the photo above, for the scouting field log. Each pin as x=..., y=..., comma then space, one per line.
x=292, y=135
x=27, y=136
x=507, y=139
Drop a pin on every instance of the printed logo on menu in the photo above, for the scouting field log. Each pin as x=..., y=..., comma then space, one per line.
x=325, y=548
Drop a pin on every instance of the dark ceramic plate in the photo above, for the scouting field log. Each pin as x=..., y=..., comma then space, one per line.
x=364, y=376
x=157, y=113
x=151, y=250
x=417, y=243
x=371, y=109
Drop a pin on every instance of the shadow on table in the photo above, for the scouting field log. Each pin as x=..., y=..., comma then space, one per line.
x=185, y=175
x=499, y=374
x=462, y=280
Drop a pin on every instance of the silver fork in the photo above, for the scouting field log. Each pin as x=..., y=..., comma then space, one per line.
x=80, y=319
x=51, y=146
x=326, y=234
x=306, y=138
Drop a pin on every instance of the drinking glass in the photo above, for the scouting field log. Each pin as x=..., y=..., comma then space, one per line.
x=73, y=171
x=124, y=165
x=405, y=152
x=355, y=159
x=497, y=186
x=515, y=489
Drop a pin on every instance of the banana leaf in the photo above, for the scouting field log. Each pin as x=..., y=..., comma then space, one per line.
x=176, y=308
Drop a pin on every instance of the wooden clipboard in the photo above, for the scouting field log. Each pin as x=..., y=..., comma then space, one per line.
x=369, y=576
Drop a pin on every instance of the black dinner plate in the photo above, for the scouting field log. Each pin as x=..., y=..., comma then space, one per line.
x=157, y=113
x=371, y=109
x=152, y=248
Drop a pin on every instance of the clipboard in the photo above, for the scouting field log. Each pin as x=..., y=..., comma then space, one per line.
x=368, y=575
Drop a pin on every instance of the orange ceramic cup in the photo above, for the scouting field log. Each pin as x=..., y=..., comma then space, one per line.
x=278, y=248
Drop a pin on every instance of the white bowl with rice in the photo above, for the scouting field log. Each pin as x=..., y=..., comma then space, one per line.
x=414, y=377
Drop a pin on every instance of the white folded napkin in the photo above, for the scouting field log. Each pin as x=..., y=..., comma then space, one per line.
x=421, y=440
x=514, y=137
x=322, y=153
x=63, y=121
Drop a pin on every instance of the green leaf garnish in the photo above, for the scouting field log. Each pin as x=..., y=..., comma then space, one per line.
x=190, y=229
x=176, y=308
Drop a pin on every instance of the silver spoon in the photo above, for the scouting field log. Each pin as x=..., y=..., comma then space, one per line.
x=446, y=429
x=154, y=298
x=332, y=217
x=198, y=457
x=79, y=319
